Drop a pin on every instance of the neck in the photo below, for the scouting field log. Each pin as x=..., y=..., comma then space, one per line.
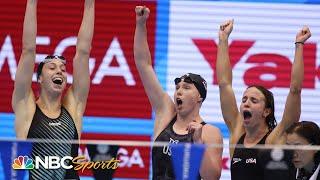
x=184, y=120
x=50, y=103
x=254, y=134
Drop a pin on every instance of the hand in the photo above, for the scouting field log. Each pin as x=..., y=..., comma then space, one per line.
x=303, y=34
x=142, y=14
x=225, y=29
x=195, y=128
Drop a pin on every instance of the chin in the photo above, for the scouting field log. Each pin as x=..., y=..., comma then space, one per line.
x=57, y=90
x=298, y=165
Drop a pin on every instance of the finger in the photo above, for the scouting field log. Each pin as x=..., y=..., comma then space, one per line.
x=221, y=27
x=229, y=22
x=145, y=11
x=138, y=9
x=308, y=32
x=188, y=128
x=305, y=31
x=191, y=130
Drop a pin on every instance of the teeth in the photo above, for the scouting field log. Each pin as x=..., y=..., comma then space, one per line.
x=179, y=101
x=57, y=80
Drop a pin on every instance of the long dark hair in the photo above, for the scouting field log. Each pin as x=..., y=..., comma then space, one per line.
x=269, y=103
x=309, y=131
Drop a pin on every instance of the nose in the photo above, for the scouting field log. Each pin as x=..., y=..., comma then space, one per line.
x=179, y=92
x=295, y=154
x=246, y=104
x=59, y=71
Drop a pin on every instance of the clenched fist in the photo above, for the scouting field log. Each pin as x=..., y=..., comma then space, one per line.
x=142, y=14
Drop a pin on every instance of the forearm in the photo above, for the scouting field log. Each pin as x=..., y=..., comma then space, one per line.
x=141, y=48
x=86, y=29
x=81, y=74
x=223, y=68
x=30, y=27
x=23, y=77
x=297, y=71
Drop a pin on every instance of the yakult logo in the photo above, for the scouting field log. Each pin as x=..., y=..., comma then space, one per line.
x=265, y=63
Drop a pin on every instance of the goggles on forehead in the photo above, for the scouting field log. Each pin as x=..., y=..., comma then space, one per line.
x=51, y=57
x=187, y=79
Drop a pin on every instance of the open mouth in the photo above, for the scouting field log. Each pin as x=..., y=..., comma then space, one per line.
x=57, y=80
x=179, y=101
x=247, y=114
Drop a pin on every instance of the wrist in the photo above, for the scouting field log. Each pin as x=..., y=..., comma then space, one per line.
x=141, y=25
x=299, y=43
x=223, y=40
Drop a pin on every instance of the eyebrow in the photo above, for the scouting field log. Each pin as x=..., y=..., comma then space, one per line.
x=56, y=64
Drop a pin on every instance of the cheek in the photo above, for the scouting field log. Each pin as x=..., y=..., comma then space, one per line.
x=241, y=106
x=308, y=156
x=258, y=108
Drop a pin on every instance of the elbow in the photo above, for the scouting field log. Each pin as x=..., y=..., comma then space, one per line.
x=84, y=51
x=223, y=83
x=83, y=48
x=212, y=175
x=214, y=172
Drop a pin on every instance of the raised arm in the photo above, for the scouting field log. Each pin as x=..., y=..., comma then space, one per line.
x=159, y=99
x=81, y=75
x=228, y=103
x=23, y=79
x=292, y=109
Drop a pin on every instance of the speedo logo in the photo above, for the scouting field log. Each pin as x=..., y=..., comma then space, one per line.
x=236, y=160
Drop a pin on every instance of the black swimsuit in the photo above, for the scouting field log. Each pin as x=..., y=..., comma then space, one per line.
x=61, y=128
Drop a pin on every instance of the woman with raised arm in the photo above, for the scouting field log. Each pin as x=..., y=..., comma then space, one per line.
x=52, y=116
x=255, y=123
x=176, y=120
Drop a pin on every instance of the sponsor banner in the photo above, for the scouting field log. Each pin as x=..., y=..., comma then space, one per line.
x=261, y=49
x=116, y=89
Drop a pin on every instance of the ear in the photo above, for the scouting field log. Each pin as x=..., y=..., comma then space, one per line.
x=40, y=79
x=200, y=99
x=266, y=112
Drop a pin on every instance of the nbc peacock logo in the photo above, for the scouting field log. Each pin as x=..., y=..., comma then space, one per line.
x=23, y=162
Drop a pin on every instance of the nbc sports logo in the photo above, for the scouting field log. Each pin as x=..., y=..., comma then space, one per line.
x=23, y=162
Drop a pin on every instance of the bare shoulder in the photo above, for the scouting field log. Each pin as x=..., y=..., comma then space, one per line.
x=276, y=137
x=211, y=133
